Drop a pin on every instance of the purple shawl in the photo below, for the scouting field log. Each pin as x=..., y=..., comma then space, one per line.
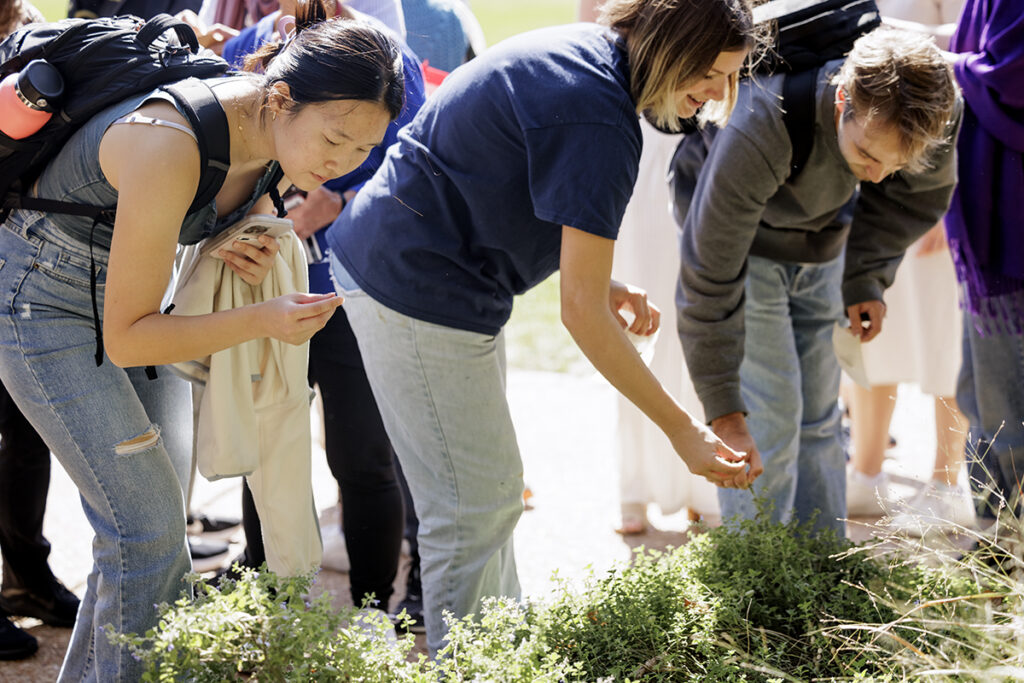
x=985, y=223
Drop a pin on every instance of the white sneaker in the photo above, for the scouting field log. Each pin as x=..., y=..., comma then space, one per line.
x=335, y=553
x=867, y=496
x=936, y=507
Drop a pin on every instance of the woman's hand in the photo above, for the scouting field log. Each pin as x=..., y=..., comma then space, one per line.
x=294, y=318
x=251, y=263
x=710, y=457
x=646, y=316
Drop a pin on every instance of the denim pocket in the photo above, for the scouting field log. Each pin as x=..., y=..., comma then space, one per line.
x=70, y=269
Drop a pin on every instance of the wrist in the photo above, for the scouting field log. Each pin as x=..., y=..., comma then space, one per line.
x=734, y=419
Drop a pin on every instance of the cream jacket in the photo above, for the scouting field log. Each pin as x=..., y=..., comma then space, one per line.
x=253, y=404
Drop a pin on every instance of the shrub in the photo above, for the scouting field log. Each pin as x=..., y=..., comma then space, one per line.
x=265, y=628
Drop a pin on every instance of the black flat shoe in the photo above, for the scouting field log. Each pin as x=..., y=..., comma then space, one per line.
x=57, y=609
x=15, y=643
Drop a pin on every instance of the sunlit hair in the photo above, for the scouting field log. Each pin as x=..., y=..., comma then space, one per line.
x=899, y=79
x=674, y=43
x=332, y=59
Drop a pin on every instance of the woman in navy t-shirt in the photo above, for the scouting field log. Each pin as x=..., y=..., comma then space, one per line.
x=521, y=164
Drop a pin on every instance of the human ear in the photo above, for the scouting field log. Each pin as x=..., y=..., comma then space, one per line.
x=280, y=98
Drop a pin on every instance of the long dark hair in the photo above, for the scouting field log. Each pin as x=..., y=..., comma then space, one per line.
x=332, y=59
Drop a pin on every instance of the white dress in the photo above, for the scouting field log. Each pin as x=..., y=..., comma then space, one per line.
x=920, y=338
x=647, y=255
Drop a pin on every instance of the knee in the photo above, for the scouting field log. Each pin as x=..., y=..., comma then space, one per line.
x=138, y=444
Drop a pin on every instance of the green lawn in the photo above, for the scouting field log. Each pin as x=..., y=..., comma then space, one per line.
x=52, y=9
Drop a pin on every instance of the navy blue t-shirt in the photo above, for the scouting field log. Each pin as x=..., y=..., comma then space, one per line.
x=467, y=211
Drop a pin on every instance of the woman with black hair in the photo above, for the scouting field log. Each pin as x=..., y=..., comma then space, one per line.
x=321, y=104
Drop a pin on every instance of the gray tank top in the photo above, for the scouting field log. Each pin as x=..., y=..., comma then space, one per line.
x=74, y=175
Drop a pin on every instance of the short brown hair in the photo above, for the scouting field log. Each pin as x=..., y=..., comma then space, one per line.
x=671, y=43
x=899, y=79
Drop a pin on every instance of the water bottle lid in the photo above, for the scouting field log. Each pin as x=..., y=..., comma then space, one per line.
x=40, y=85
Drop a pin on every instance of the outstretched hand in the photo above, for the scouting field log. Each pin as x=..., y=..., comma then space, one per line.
x=294, y=318
x=732, y=429
x=708, y=456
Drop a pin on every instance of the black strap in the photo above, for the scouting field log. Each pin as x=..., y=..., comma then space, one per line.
x=92, y=290
x=16, y=201
x=210, y=125
x=162, y=23
x=275, y=192
x=798, y=102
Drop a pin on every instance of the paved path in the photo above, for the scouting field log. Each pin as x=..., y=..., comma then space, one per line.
x=566, y=427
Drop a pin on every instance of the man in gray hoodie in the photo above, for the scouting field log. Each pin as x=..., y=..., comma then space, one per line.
x=772, y=260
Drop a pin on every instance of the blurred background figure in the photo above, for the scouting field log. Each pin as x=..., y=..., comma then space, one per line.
x=442, y=33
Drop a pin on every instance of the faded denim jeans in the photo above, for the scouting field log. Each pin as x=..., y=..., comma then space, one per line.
x=441, y=394
x=124, y=440
x=990, y=392
x=790, y=384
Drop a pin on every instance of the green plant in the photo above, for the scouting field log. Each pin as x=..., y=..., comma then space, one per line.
x=502, y=644
x=266, y=628
x=748, y=601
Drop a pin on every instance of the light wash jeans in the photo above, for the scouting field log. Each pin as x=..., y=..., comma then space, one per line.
x=132, y=494
x=441, y=394
x=790, y=383
x=990, y=393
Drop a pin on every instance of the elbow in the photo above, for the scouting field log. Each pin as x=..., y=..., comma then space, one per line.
x=576, y=315
x=118, y=355
x=119, y=352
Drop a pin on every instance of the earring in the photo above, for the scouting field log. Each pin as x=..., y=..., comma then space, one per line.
x=275, y=116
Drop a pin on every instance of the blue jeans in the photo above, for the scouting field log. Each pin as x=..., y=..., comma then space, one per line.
x=990, y=393
x=790, y=383
x=104, y=425
x=441, y=394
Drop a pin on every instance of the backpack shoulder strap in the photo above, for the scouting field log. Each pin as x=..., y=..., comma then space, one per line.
x=210, y=124
x=798, y=102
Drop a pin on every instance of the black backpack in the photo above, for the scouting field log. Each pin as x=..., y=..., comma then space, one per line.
x=809, y=33
x=103, y=62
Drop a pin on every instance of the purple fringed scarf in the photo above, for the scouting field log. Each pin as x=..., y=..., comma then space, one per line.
x=985, y=223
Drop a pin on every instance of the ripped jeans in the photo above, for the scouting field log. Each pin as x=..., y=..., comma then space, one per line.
x=124, y=440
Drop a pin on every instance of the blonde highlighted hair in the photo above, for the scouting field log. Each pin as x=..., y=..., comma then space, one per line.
x=899, y=79
x=674, y=43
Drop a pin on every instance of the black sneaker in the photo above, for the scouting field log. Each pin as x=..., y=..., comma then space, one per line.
x=57, y=609
x=412, y=603
x=15, y=643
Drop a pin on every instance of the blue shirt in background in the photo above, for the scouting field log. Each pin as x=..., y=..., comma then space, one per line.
x=467, y=210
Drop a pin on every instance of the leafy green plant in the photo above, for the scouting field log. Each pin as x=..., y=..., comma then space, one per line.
x=750, y=601
x=266, y=628
x=747, y=601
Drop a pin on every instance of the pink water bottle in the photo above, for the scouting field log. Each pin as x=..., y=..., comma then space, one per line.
x=28, y=98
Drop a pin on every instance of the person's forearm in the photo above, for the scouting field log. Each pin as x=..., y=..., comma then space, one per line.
x=158, y=339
